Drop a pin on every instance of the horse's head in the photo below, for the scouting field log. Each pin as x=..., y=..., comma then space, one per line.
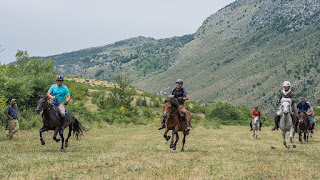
x=285, y=105
x=302, y=117
x=169, y=107
x=42, y=103
x=255, y=119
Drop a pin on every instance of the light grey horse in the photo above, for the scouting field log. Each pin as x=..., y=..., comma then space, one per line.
x=255, y=126
x=286, y=122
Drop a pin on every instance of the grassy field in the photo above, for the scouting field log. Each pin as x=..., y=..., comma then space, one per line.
x=140, y=152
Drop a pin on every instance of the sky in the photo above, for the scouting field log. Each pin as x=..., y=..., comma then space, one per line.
x=48, y=27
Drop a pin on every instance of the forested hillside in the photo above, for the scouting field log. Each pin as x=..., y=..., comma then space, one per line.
x=240, y=54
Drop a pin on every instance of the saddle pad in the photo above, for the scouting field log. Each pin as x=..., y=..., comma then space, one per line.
x=68, y=117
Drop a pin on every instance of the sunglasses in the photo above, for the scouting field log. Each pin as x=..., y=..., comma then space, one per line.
x=59, y=80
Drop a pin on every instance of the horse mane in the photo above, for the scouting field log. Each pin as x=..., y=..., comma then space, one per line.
x=173, y=102
x=43, y=96
x=286, y=100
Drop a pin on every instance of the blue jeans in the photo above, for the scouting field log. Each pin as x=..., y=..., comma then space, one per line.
x=311, y=119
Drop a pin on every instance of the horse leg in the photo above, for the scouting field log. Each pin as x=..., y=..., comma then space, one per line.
x=55, y=135
x=165, y=134
x=293, y=141
x=69, y=135
x=284, y=139
x=172, y=139
x=305, y=136
x=62, y=139
x=43, y=129
x=300, y=137
x=177, y=139
x=183, y=141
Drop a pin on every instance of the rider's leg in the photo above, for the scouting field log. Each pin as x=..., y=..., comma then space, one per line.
x=63, y=114
x=182, y=113
x=313, y=123
x=260, y=125
x=162, y=124
x=295, y=118
x=276, y=122
x=251, y=126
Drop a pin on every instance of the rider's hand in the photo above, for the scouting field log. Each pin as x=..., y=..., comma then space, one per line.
x=53, y=97
x=181, y=98
x=66, y=103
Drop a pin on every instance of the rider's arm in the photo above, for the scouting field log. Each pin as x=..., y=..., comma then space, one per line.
x=171, y=95
x=6, y=112
x=293, y=98
x=259, y=115
x=50, y=96
x=186, y=98
x=68, y=98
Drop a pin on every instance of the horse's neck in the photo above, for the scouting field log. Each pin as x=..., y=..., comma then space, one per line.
x=46, y=113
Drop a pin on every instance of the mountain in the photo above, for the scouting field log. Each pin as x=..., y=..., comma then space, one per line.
x=241, y=54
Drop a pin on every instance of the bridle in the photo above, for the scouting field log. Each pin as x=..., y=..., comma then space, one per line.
x=174, y=109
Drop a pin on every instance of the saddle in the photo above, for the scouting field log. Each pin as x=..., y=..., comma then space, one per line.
x=58, y=114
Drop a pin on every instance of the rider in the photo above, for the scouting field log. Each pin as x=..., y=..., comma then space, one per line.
x=286, y=93
x=180, y=94
x=256, y=113
x=57, y=93
x=310, y=116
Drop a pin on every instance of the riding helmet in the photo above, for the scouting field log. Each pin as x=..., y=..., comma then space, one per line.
x=286, y=84
x=179, y=81
x=59, y=78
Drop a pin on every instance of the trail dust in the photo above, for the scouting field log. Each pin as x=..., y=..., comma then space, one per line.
x=140, y=152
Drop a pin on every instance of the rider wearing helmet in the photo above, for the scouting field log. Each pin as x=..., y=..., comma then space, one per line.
x=255, y=113
x=180, y=94
x=286, y=93
x=57, y=93
x=310, y=116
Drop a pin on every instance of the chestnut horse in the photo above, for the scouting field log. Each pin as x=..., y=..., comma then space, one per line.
x=303, y=126
x=174, y=123
x=51, y=122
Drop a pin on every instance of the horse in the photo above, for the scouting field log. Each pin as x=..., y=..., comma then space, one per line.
x=303, y=126
x=174, y=123
x=52, y=122
x=286, y=123
x=255, y=127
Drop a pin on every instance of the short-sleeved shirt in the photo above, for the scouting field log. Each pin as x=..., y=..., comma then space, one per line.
x=304, y=107
x=12, y=111
x=179, y=93
x=311, y=108
x=59, y=91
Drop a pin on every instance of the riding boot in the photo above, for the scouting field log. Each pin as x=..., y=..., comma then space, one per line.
x=186, y=123
x=276, y=122
x=251, y=126
x=162, y=124
x=63, y=119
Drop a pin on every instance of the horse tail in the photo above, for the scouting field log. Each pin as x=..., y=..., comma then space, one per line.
x=78, y=128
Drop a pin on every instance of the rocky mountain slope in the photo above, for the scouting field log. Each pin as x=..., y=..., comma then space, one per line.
x=240, y=54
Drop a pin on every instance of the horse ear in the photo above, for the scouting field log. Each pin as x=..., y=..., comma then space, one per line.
x=165, y=101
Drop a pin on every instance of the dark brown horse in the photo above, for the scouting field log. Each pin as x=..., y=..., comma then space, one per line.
x=174, y=123
x=51, y=122
x=303, y=126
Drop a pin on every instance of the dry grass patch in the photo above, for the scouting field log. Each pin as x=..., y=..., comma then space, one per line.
x=140, y=152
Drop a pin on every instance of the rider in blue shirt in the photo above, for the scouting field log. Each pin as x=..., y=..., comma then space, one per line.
x=303, y=105
x=57, y=93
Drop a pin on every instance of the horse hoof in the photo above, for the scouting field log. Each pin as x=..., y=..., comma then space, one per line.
x=288, y=146
x=182, y=150
x=294, y=146
x=174, y=148
x=171, y=145
x=61, y=150
x=66, y=145
x=168, y=138
x=43, y=143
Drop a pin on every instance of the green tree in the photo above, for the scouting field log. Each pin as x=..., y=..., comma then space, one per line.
x=122, y=94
